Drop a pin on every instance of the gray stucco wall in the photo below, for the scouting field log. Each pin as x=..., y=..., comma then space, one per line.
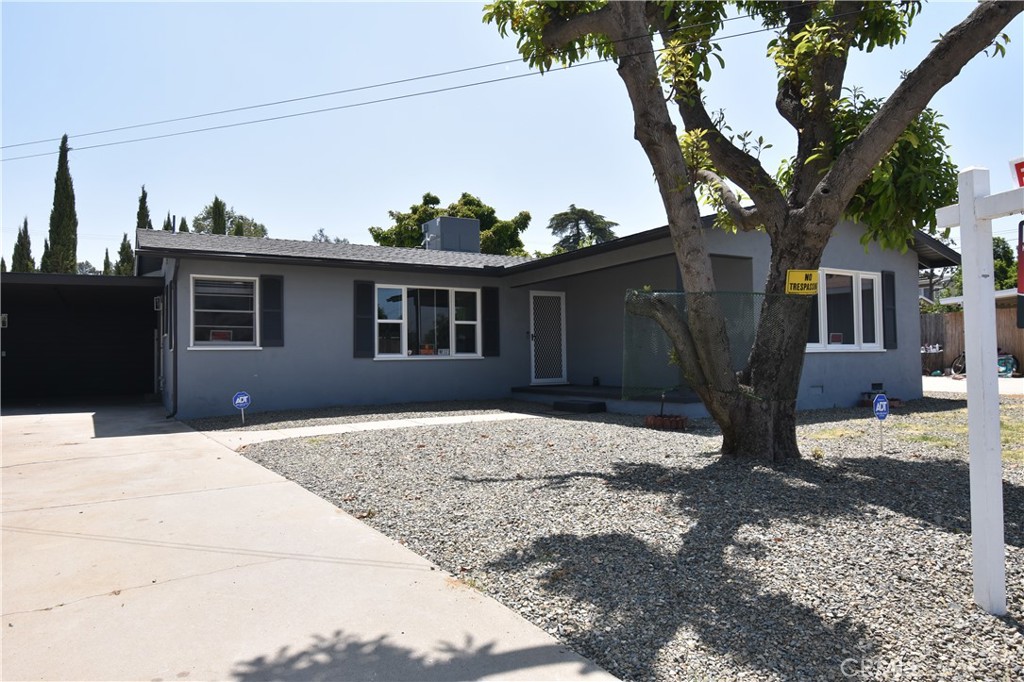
x=838, y=378
x=315, y=367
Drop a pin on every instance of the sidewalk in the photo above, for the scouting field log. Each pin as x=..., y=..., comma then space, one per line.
x=137, y=549
x=944, y=384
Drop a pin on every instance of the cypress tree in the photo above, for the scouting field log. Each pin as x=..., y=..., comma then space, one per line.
x=182, y=226
x=44, y=261
x=219, y=218
x=61, y=251
x=142, y=221
x=125, y=259
x=3, y=264
x=108, y=268
x=21, y=259
x=239, y=230
x=168, y=224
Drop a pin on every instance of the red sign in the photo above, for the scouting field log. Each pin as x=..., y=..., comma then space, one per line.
x=1018, y=171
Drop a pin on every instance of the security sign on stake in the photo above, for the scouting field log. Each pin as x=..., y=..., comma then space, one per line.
x=241, y=400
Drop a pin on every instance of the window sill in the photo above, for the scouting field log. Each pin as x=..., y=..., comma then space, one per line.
x=426, y=358
x=224, y=348
x=841, y=349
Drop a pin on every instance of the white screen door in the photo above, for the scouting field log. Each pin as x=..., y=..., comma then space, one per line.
x=547, y=337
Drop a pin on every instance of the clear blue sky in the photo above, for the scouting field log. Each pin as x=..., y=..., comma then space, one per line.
x=534, y=143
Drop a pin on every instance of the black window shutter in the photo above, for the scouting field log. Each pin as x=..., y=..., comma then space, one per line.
x=490, y=320
x=888, y=309
x=365, y=315
x=271, y=310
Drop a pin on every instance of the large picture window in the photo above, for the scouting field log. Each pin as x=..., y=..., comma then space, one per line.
x=846, y=314
x=425, y=321
x=224, y=311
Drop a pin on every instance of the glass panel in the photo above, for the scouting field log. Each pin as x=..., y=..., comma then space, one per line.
x=389, y=304
x=465, y=338
x=429, y=321
x=867, y=309
x=814, y=331
x=389, y=338
x=223, y=311
x=465, y=306
x=839, y=309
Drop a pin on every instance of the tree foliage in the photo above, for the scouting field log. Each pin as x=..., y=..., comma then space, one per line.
x=321, y=237
x=86, y=268
x=881, y=161
x=1004, y=270
x=216, y=218
x=125, y=265
x=168, y=223
x=497, y=236
x=108, y=267
x=142, y=219
x=61, y=248
x=21, y=259
x=182, y=225
x=578, y=227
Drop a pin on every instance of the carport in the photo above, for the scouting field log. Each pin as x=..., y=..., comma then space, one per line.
x=77, y=336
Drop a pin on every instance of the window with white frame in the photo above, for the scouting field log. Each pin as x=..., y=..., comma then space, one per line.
x=224, y=311
x=427, y=321
x=846, y=313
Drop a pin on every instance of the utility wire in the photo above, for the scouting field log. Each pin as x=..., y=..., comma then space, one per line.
x=358, y=104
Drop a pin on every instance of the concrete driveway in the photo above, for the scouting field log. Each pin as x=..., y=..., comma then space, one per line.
x=137, y=549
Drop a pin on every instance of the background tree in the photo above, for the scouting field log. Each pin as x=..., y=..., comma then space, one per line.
x=321, y=237
x=1004, y=270
x=61, y=249
x=3, y=264
x=21, y=259
x=44, y=260
x=218, y=217
x=142, y=220
x=574, y=225
x=168, y=223
x=108, y=267
x=860, y=158
x=125, y=266
x=182, y=225
x=86, y=268
x=203, y=222
x=496, y=236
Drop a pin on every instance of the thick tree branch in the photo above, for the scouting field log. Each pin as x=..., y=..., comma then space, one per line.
x=747, y=219
x=957, y=47
x=788, y=101
x=737, y=165
x=559, y=32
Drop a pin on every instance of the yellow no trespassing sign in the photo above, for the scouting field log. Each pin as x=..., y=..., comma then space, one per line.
x=802, y=282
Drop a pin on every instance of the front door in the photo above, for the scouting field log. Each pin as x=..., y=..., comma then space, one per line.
x=547, y=337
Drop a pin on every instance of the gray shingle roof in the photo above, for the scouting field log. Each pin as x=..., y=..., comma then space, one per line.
x=162, y=243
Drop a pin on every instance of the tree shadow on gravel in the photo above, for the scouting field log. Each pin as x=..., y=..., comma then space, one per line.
x=342, y=656
x=647, y=595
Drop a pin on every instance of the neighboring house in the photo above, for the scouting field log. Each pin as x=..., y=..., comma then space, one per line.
x=305, y=324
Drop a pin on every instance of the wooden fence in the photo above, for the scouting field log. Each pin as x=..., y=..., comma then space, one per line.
x=947, y=330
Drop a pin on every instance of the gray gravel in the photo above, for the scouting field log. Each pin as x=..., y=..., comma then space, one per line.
x=645, y=552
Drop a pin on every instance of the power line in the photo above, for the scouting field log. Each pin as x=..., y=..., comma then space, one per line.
x=360, y=104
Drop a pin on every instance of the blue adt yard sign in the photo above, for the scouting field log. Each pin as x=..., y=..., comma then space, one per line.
x=241, y=400
x=881, y=406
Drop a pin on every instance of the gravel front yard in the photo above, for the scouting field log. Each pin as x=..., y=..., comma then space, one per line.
x=644, y=552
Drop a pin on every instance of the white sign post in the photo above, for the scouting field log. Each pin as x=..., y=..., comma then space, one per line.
x=974, y=215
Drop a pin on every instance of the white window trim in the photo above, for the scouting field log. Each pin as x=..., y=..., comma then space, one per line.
x=222, y=346
x=858, y=346
x=404, y=353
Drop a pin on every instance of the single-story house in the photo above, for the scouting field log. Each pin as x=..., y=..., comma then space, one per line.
x=305, y=324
